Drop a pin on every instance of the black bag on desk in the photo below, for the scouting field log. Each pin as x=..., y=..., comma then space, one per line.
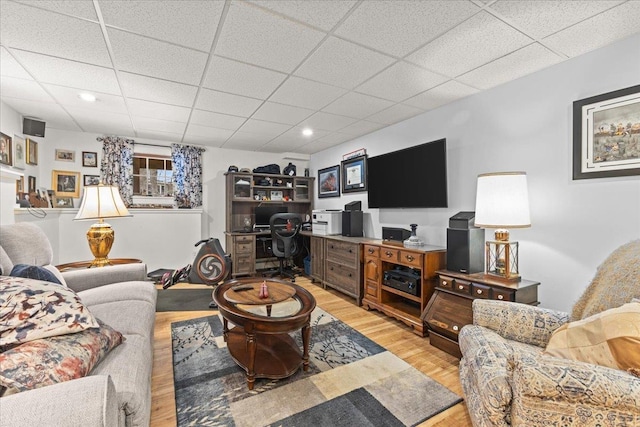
x=272, y=168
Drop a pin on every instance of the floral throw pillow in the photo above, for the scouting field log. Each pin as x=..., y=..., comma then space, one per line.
x=52, y=360
x=32, y=309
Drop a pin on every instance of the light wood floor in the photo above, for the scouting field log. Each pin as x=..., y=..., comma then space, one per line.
x=392, y=335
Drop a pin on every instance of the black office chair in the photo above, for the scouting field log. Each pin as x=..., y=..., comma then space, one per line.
x=285, y=228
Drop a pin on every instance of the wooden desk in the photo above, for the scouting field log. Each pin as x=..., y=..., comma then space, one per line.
x=87, y=264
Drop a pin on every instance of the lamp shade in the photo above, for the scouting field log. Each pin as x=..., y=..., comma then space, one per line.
x=101, y=201
x=502, y=200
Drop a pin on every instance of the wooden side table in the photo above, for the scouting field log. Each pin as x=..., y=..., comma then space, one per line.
x=450, y=307
x=87, y=264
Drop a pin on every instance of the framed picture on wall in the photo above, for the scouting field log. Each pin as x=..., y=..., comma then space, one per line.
x=19, y=152
x=66, y=183
x=606, y=135
x=89, y=159
x=5, y=149
x=32, y=184
x=91, y=180
x=65, y=155
x=62, y=202
x=354, y=174
x=32, y=151
x=329, y=182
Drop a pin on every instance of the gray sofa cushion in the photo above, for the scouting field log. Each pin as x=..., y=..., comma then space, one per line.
x=5, y=262
x=26, y=243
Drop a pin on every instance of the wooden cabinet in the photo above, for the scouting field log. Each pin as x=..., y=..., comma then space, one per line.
x=243, y=253
x=317, y=259
x=403, y=306
x=342, y=267
x=450, y=306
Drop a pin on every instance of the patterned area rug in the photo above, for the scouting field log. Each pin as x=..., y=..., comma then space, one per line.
x=351, y=381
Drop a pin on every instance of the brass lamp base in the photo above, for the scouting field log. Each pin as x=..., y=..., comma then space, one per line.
x=100, y=237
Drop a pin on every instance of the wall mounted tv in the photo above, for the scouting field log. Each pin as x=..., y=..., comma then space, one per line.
x=415, y=177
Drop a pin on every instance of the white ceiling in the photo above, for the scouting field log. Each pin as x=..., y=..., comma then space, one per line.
x=250, y=75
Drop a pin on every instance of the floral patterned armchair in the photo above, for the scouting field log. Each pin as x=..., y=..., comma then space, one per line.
x=508, y=381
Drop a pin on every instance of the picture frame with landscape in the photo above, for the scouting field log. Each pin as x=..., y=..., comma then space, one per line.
x=329, y=182
x=66, y=183
x=62, y=202
x=65, y=155
x=606, y=135
x=89, y=159
x=89, y=180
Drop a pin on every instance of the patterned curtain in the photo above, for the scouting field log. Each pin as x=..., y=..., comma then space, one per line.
x=117, y=165
x=187, y=174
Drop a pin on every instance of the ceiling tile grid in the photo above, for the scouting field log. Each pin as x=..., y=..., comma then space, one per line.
x=252, y=74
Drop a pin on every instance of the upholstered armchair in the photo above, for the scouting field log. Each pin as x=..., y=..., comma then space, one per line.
x=507, y=380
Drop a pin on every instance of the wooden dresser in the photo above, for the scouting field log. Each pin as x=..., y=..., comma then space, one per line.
x=449, y=309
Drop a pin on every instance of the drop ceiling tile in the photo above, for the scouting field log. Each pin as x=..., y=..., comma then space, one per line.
x=441, y=95
x=326, y=121
x=10, y=67
x=36, y=30
x=226, y=103
x=159, y=111
x=319, y=13
x=401, y=81
x=106, y=122
x=398, y=27
x=219, y=136
x=158, y=135
x=515, y=65
x=357, y=105
x=142, y=55
x=620, y=22
x=280, y=113
x=294, y=137
x=267, y=130
x=395, y=114
x=187, y=23
x=216, y=120
x=63, y=72
x=342, y=63
x=157, y=125
x=69, y=97
x=306, y=93
x=315, y=147
x=258, y=37
x=539, y=19
x=80, y=8
x=203, y=141
x=242, y=79
x=150, y=89
x=245, y=141
x=53, y=113
x=362, y=127
x=24, y=89
x=334, y=138
x=480, y=39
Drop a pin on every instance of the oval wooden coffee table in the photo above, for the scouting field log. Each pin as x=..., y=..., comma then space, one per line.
x=260, y=342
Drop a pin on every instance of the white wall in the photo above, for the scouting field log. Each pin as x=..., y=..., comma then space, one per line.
x=522, y=125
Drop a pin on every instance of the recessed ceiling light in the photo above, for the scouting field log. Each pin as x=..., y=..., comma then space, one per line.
x=87, y=97
x=307, y=132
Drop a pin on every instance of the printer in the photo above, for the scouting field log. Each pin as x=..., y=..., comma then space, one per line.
x=326, y=221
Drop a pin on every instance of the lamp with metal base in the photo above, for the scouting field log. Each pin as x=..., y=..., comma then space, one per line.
x=100, y=202
x=502, y=202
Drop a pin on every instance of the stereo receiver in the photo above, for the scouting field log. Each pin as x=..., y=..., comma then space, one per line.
x=404, y=279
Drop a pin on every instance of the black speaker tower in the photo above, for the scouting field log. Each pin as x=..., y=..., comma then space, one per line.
x=465, y=244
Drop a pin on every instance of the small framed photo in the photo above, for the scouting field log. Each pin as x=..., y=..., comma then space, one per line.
x=20, y=185
x=66, y=183
x=354, y=174
x=19, y=152
x=606, y=135
x=329, y=182
x=32, y=151
x=62, y=202
x=5, y=149
x=32, y=184
x=91, y=180
x=89, y=159
x=65, y=155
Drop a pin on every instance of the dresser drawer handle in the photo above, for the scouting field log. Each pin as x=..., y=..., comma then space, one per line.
x=500, y=297
x=371, y=251
x=410, y=258
x=350, y=251
x=445, y=283
x=331, y=247
x=455, y=327
x=350, y=275
x=460, y=287
x=388, y=254
x=331, y=268
x=479, y=291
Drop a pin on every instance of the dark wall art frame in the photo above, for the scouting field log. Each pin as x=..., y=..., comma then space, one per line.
x=354, y=174
x=606, y=135
x=329, y=182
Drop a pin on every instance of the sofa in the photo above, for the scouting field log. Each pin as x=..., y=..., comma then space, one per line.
x=117, y=391
x=516, y=369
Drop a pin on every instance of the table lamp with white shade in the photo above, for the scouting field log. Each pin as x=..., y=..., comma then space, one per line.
x=502, y=202
x=100, y=202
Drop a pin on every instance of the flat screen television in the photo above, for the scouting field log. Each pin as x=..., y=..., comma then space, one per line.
x=263, y=214
x=415, y=177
